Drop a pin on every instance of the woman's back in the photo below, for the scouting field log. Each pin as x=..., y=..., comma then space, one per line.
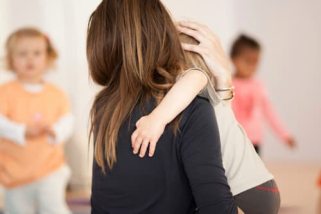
x=186, y=170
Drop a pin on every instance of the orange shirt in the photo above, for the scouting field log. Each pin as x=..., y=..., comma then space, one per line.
x=20, y=165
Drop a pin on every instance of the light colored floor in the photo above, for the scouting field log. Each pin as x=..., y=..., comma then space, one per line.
x=79, y=201
x=297, y=184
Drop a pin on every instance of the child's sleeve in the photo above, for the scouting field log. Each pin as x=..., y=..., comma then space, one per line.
x=9, y=130
x=12, y=131
x=64, y=105
x=64, y=126
x=271, y=115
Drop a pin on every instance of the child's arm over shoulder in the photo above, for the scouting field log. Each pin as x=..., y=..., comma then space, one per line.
x=151, y=127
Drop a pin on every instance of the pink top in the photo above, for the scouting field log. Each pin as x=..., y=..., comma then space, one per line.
x=252, y=106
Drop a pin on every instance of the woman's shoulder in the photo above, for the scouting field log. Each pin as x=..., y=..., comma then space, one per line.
x=200, y=102
x=199, y=109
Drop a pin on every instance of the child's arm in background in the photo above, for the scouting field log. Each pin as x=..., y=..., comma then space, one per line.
x=273, y=119
x=10, y=130
x=212, y=52
x=151, y=127
x=17, y=132
x=62, y=130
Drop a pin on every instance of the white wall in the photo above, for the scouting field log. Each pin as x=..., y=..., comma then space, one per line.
x=4, y=16
x=291, y=36
x=217, y=14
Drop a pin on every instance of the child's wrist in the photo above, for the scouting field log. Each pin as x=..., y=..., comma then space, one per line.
x=223, y=81
x=52, y=133
x=157, y=116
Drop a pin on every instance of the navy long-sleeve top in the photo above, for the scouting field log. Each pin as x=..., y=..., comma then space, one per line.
x=186, y=171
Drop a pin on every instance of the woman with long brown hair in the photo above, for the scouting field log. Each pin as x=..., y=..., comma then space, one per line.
x=134, y=53
x=252, y=185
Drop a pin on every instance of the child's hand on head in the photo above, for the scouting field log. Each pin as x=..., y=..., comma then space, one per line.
x=149, y=129
x=209, y=47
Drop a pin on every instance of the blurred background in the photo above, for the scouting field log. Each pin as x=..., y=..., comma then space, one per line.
x=290, y=33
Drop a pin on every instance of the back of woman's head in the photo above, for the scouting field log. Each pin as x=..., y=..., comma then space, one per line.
x=134, y=52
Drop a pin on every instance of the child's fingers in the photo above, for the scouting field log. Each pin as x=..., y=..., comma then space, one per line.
x=137, y=123
x=192, y=25
x=195, y=26
x=205, y=30
x=134, y=137
x=152, y=148
x=193, y=33
x=137, y=144
x=143, y=148
x=196, y=48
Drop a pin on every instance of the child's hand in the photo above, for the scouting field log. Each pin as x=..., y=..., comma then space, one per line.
x=35, y=130
x=210, y=48
x=149, y=129
x=50, y=132
x=291, y=143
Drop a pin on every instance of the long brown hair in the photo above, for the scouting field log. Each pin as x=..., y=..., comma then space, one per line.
x=134, y=53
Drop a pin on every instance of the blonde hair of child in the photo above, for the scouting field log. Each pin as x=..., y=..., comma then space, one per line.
x=194, y=60
x=28, y=32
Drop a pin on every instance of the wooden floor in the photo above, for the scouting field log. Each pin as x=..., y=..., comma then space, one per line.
x=297, y=184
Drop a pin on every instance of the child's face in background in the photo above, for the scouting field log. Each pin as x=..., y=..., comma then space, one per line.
x=30, y=58
x=246, y=63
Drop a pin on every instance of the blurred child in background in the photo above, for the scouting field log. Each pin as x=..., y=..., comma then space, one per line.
x=35, y=121
x=251, y=104
x=252, y=186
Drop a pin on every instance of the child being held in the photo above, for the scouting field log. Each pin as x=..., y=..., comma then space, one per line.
x=252, y=185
